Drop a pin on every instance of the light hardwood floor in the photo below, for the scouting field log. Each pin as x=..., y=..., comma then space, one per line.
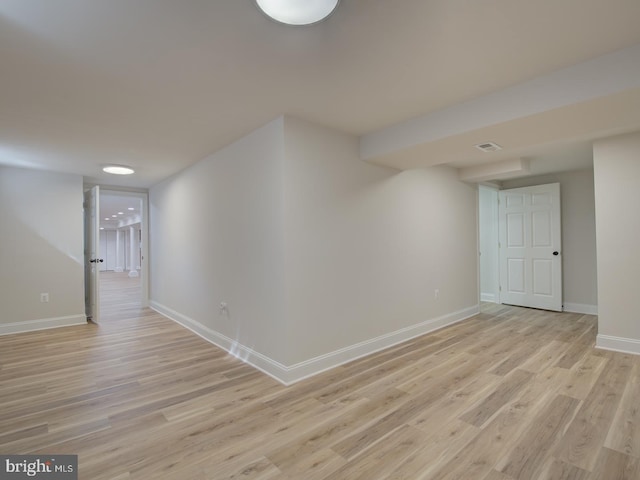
x=510, y=394
x=118, y=292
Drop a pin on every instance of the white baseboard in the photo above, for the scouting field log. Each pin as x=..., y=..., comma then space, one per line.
x=42, y=324
x=319, y=364
x=581, y=308
x=488, y=297
x=261, y=362
x=618, y=344
x=289, y=374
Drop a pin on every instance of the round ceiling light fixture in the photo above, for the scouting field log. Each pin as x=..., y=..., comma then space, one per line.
x=298, y=12
x=118, y=170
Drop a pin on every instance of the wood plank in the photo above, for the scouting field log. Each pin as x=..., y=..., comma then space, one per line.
x=316, y=466
x=450, y=406
x=483, y=452
x=495, y=475
x=571, y=356
x=586, y=434
x=612, y=465
x=262, y=469
x=504, y=392
x=624, y=434
x=533, y=448
x=441, y=444
x=559, y=470
x=382, y=461
x=546, y=356
x=583, y=376
x=335, y=429
x=516, y=359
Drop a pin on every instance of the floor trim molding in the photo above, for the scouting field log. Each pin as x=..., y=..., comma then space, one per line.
x=261, y=362
x=489, y=297
x=581, y=308
x=42, y=324
x=319, y=364
x=291, y=374
x=618, y=344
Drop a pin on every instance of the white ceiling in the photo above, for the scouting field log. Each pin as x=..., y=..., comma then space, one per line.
x=112, y=204
x=160, y=84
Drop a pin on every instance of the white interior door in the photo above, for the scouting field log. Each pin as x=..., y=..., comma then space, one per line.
x=530, y=247
x=92, y=253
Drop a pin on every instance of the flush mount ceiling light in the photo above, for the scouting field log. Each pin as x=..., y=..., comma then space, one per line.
x=298, y=12
x=118, y=170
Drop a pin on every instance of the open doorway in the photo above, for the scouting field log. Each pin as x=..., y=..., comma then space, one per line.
x=122, y=246
x=488, y=244
x=519, y=244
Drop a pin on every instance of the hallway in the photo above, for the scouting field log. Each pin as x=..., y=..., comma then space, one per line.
x=120, y=296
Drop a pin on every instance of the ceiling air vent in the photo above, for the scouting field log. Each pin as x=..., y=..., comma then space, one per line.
x=488, y=147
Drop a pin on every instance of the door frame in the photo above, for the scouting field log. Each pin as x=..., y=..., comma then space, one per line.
x=555, y=234
x=91, y=213
x=144, y=234
x=494, y=250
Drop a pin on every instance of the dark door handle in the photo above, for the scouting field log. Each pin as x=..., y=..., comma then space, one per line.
x=555, y=253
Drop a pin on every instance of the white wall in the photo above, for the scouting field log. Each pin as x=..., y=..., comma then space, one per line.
x=108, y=250
x=216, y=236
x=41, y=250
x=321, y=257
x=617, y=172
x=579, y=269
x=366, y=246
x=488, y=243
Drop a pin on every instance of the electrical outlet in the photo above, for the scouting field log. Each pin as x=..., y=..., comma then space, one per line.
x=44, y=298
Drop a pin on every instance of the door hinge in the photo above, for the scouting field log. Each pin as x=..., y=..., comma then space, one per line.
x=500, y=288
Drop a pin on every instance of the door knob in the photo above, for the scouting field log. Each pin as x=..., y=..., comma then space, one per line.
x=555, y=253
